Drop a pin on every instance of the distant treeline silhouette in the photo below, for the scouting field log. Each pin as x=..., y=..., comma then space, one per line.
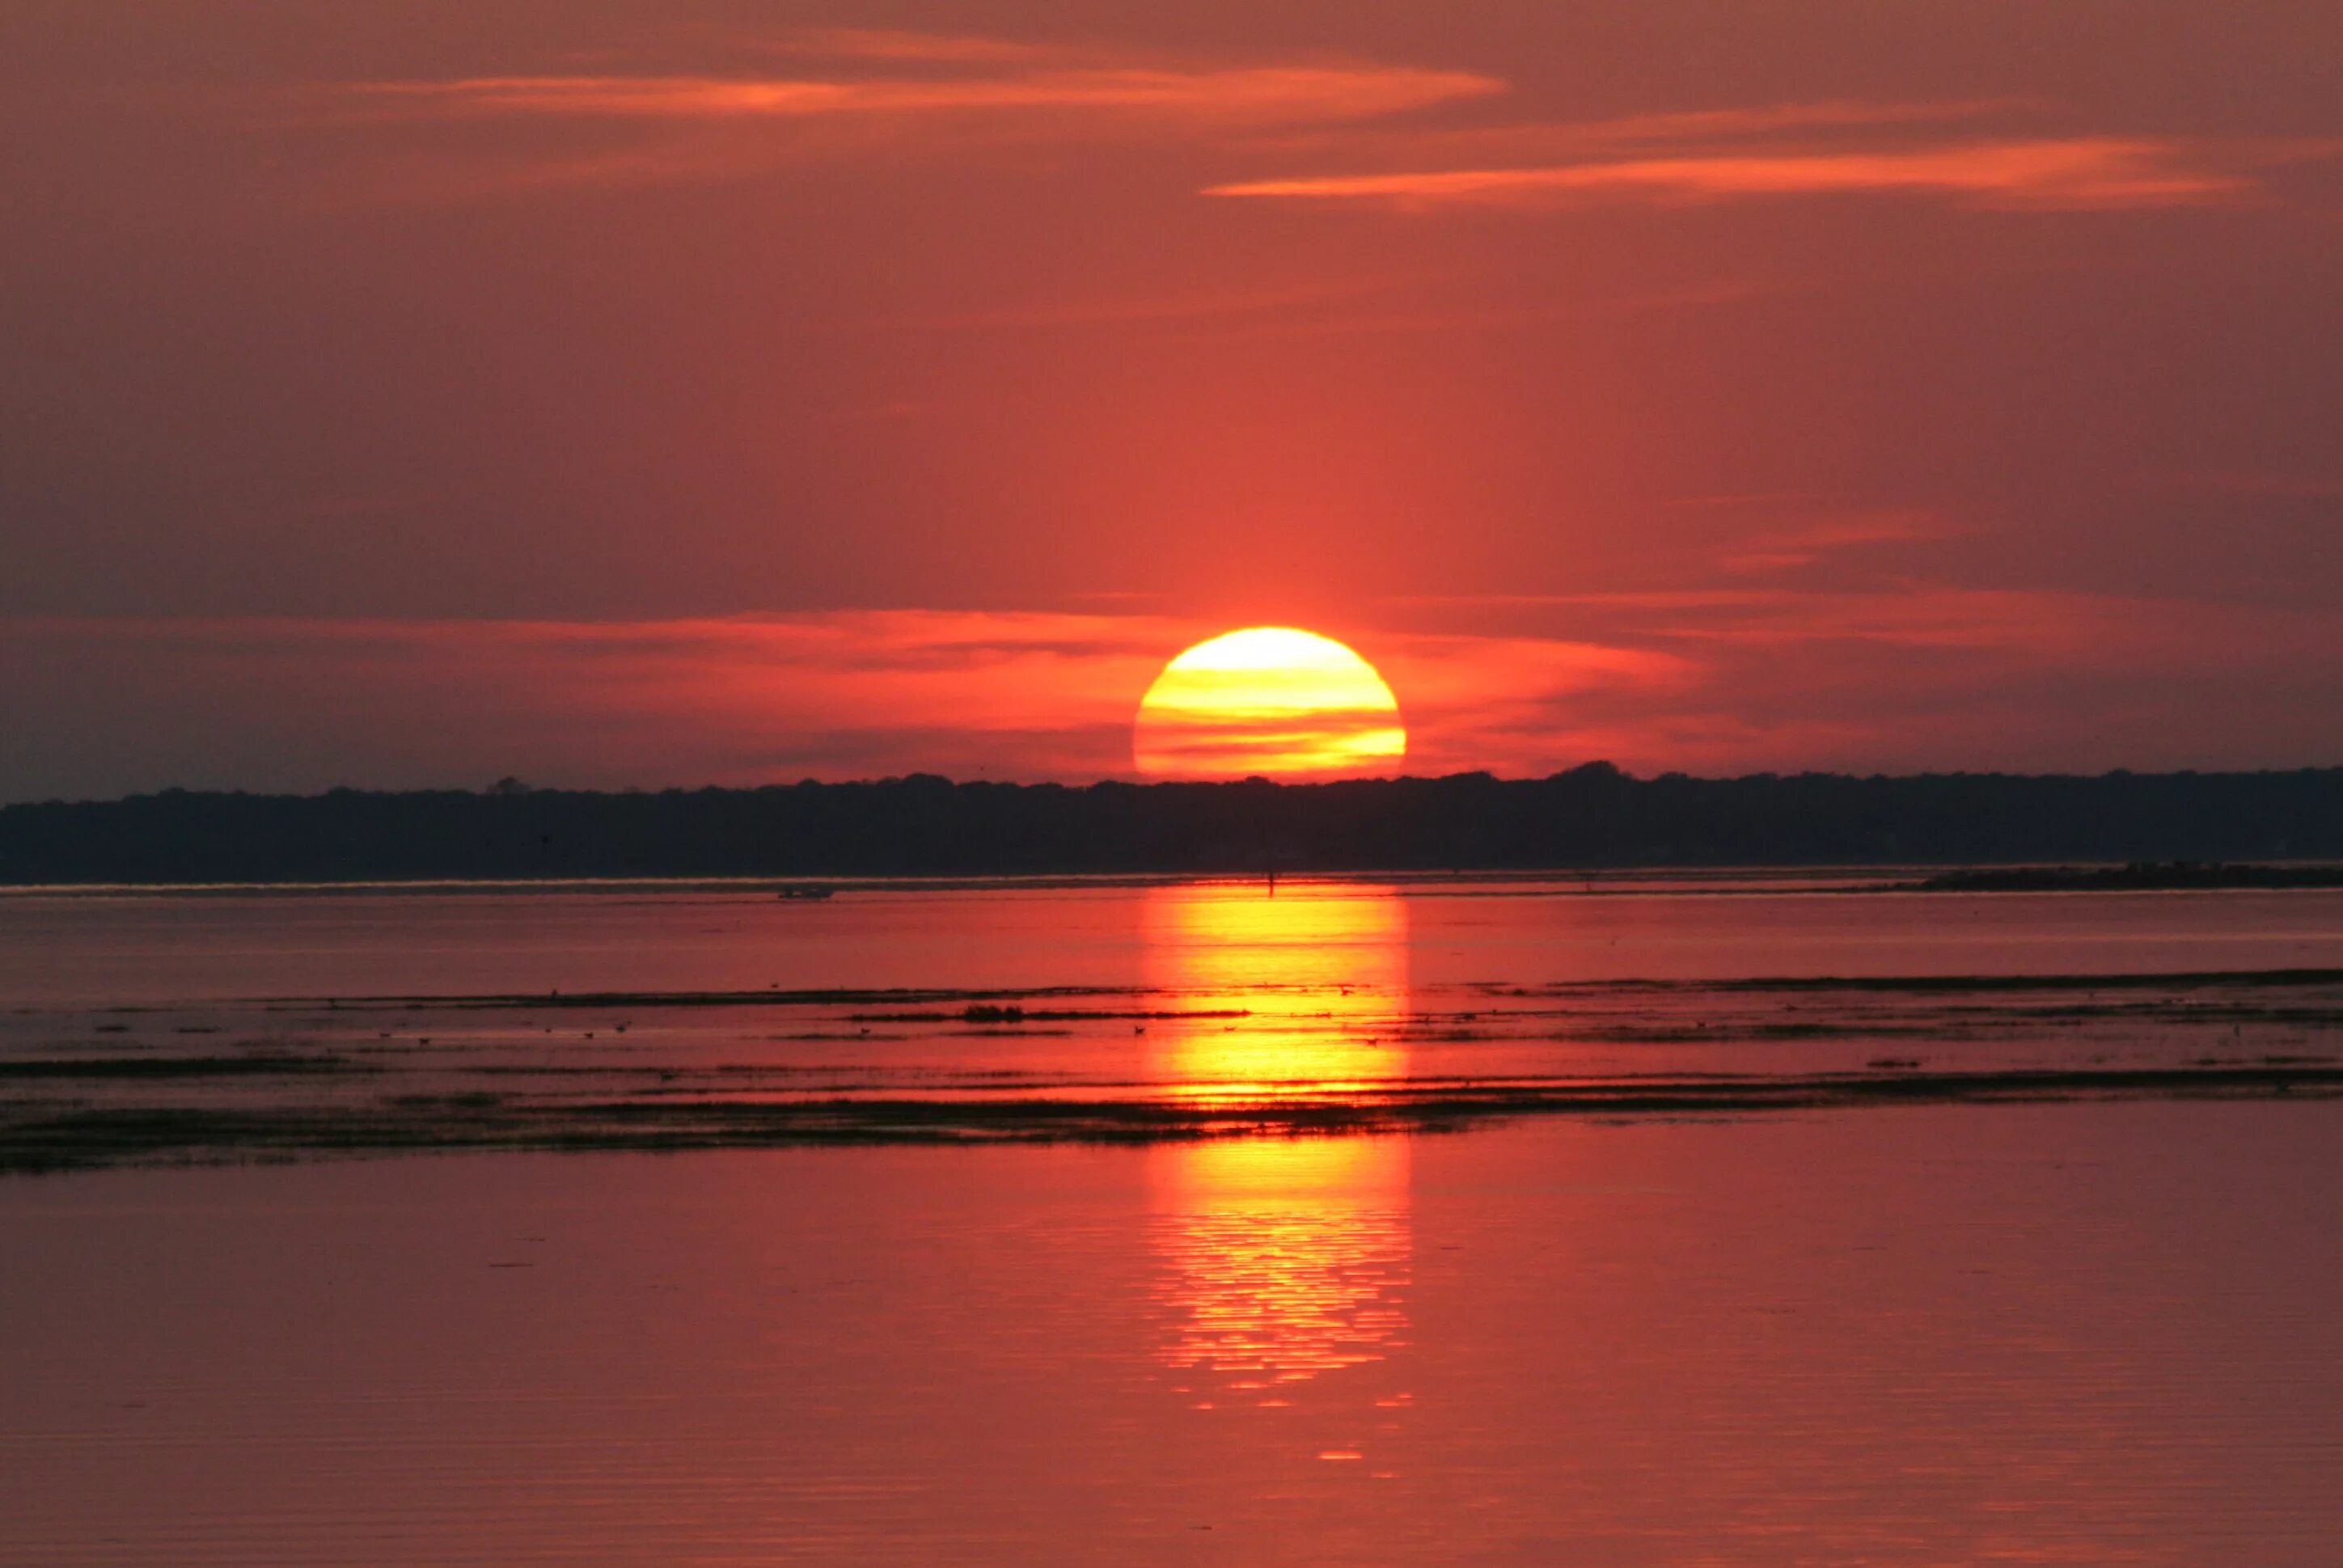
x=1591, y=817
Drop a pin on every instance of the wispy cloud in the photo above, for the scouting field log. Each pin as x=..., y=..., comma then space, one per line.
x=1809, y=544
x=2058, y=173
x=2037, y=631
x=1816, y=125
x=825, y=95
x=2278, y=486
x=1721, y=680
x=1255, y=94
x=929, y=48
x=744, y=700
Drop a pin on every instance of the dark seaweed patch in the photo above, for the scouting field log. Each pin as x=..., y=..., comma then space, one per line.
x=83, y=1137
x=150, y=1067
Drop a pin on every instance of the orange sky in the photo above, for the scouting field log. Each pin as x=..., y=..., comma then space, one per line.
x=715, y=391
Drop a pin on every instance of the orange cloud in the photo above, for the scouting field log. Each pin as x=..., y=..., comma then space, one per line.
x=2071, y=173
x=881, y=88
x=1539, y=143
x=1789, y=549
x=1734, y=679
x=1251, y=94
x=933, y=48
x=737, y=700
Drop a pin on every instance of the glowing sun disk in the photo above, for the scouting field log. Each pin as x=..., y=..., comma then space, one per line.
x=1271, y=701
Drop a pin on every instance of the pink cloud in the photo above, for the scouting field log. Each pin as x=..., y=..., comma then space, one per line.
x=931, y=48
x=1732, y=679
x=851, y=91
x=2066, y=173
x=1539, y=143
x=734, y=700
x=1245, y=95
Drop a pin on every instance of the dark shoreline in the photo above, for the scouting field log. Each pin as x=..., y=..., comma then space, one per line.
x=1590, y=819
x=315, y=1078
x=2138, y=877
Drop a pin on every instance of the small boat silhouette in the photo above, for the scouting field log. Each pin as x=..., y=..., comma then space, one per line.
x=808, y=890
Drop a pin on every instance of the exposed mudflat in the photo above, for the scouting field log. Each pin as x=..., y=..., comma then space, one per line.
x=297, y=1078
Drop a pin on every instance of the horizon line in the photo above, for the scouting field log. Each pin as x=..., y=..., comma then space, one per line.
x=514, y=787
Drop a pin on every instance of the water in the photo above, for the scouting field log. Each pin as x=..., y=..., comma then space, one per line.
x=2094, y=1327
x=131, y=946
x=230, y=1025
x=2077, y=1333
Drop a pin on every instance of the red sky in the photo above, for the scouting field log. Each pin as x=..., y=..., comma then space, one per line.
x=630, y=393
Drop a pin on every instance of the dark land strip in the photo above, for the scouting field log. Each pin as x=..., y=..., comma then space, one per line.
x=2140, y=876
x=60, y=1138
x=1591, y=818
x=994, y=1001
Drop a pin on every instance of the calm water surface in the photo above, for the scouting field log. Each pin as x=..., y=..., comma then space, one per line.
x=2100, y=1334
x=65, y=948
x=2099, y=1331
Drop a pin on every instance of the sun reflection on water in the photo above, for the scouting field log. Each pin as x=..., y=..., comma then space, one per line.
x=1286, y=1259
x=1289, y=1257
x=1318, y=972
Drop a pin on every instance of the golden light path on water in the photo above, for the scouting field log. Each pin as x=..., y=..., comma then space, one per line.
x=1286, y=1259
x=1271, y=701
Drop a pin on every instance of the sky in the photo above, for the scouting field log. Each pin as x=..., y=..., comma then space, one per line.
x=668, y=392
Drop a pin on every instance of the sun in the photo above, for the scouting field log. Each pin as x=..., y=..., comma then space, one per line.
x=1271, y=701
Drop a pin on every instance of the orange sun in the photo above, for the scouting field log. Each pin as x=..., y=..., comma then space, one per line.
x=1268, y=700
